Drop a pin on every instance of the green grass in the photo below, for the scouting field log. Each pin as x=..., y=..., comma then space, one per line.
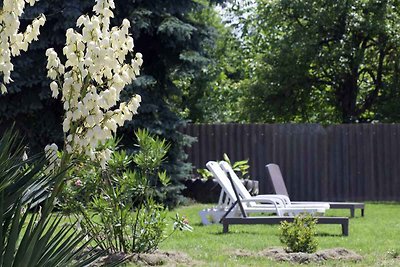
x=372, y=236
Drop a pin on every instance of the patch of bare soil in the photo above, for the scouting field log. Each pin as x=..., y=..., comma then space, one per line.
x=165, y=258
x=157, y=258
x=279, y=254
x=389, y=260
x=242, y=253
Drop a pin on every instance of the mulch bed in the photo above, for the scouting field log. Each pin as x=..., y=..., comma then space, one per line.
x=279, y=254
x=157, y=258
x=174, y=258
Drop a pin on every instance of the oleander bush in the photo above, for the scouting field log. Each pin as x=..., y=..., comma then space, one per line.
x=116, y=205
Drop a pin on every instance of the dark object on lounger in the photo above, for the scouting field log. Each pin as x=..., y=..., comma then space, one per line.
x=278, y=183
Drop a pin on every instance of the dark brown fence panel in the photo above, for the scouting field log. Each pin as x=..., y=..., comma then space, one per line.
x=338, y=162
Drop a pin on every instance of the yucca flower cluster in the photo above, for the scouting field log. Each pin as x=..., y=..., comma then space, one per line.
x=90, y=82
x=11, y=40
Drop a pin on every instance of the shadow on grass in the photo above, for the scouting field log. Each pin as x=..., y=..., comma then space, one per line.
x=394, y=203
x=243, y=232
x=322, y=234
x=235, y=232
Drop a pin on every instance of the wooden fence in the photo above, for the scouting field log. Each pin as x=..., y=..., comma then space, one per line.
x=340, y=162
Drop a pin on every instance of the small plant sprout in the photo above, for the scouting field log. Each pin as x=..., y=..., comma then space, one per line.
x=182, y=223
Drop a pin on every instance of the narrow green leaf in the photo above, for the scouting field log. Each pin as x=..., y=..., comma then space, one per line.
x=12, y=239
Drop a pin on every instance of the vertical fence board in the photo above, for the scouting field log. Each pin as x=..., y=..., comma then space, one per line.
x=195, y=158
x=396, y=156
x=381, y=161
x=367, y=151
x=389, y=167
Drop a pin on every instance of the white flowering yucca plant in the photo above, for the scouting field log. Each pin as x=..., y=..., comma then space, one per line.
x=99, y=64
x=11, y=40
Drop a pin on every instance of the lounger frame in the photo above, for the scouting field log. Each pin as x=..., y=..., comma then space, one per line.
x=226, y=221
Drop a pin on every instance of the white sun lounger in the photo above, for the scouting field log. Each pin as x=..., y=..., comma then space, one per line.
x=238, y=212
x=242, y=191
x=260, y=204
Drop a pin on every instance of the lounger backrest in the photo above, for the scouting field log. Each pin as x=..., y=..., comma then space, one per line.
x=276, y=177
x=241, y=189
x=222, y=179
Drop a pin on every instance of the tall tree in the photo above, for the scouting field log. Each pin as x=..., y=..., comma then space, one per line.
x=212, y=94
x=172, y=44
x=323, y=61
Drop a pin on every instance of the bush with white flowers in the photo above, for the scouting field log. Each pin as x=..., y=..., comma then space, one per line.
x=11, y=40
x=90, y=82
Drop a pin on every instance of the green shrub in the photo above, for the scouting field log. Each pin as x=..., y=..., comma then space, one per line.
x=117, y=206
x=299, y=236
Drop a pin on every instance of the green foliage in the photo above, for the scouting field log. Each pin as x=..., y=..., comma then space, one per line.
x=152, y=151
x=241, y=167
x=120, y=206
x=214, y=93
x=38, y=238
x=321, y=61
x=204, y=173
x=299, y=236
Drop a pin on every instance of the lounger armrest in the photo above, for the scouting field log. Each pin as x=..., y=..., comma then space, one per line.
x=264, y=198
x=272, y=201
x=284, y=198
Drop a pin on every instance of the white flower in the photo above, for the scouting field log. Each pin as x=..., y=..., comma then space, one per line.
x=11, y=40
x=92, y=78
x=54, y=89
x=3, y=88
x=66, y=125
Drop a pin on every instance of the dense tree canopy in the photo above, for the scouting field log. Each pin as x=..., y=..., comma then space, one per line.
x=322, y=61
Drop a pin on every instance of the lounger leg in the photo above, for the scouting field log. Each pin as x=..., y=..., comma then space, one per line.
x=345, y=228
x=225, y=227
x=352, y=212
x=362, y=212
x=203, y=215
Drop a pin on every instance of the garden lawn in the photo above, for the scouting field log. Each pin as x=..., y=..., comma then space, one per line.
x=376, y=237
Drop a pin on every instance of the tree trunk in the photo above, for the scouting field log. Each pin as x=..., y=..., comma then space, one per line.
x=347, y=97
